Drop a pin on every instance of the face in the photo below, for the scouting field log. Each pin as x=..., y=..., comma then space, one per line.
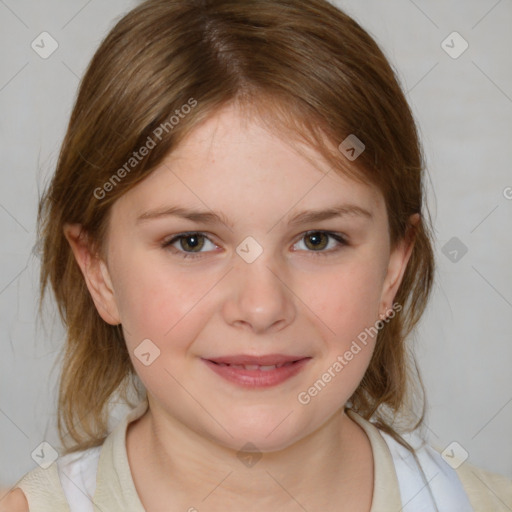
x=245, y=306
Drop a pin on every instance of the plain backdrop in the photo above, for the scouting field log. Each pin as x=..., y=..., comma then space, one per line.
x=463, y=106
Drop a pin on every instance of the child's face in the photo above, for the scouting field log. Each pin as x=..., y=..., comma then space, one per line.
x=304, y=297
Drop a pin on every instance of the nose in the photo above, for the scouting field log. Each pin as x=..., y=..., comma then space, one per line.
x=259, y=297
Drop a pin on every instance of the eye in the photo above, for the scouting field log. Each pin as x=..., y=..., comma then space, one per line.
x=187, y=244
x=318, y=241
x=191, y=244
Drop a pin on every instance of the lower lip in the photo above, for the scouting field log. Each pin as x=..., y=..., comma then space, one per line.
x=258, y=378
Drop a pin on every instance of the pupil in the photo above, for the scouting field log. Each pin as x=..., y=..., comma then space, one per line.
x=192, y=241
x=316, y=239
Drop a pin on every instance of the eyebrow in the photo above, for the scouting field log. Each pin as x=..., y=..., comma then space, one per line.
x=211, y=217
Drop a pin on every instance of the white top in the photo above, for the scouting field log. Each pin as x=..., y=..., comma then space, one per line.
x=77, y=474
x=99, y=479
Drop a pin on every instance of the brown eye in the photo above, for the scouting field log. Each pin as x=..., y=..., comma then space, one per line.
x=317, y=240
x=192, y=243
x=321, y=243
x=189, y=245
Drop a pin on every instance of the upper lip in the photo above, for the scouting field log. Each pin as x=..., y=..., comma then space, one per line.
x=266, y=360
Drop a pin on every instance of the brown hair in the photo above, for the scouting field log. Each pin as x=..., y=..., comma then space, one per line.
x=307, y=70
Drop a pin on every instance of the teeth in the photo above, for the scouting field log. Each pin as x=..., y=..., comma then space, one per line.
x=263, y=368
x=253, y=367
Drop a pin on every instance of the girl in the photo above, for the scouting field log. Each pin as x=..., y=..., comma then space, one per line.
x=237, y=240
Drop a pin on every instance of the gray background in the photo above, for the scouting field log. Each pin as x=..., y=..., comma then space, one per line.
x=464, y=110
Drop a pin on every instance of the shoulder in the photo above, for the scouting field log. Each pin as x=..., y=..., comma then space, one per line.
x=15, y=501
x=486, y=490
x=478, y=489
x=483, y=490
x=41, y=489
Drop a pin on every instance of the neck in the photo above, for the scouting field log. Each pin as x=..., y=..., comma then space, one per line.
x=184, y=468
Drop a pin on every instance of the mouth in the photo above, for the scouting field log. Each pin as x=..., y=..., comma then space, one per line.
x=257, y=371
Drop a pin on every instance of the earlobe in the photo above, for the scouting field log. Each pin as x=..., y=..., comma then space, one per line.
x=95, y=272
x=397, y=265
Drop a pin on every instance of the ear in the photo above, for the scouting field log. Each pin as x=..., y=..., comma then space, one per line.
x=398, y=261
x=95, y=272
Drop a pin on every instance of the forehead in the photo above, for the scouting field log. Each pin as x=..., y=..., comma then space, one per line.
x=234, y=164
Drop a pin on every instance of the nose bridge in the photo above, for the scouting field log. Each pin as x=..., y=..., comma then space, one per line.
x=259, y=298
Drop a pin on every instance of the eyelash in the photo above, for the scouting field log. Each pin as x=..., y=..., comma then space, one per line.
x=339, y=238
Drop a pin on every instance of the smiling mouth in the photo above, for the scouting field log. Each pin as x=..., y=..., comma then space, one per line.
x=257, y=372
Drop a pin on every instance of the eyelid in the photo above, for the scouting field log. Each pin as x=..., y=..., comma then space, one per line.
x=184, y=234
x=340, y=238
x=168, y=241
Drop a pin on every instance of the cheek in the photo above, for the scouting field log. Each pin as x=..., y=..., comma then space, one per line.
x=164, y=308
x=156, y=303
x=346, y=302
x=346, y=299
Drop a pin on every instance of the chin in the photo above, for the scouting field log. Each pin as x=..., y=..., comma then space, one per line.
x=262, y=432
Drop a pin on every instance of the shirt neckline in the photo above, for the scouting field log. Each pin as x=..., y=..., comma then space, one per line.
x=116, y=487
x=386, y=490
